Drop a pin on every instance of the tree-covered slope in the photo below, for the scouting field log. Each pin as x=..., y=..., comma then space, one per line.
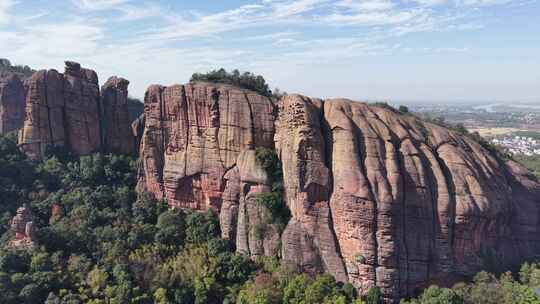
x=107, y=246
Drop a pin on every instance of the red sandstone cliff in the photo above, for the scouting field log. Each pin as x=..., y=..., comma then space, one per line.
x=193, y=135
x=116, y=119
x=11, y=103
x=67, y=110
x=410, y=202
x=376, y=197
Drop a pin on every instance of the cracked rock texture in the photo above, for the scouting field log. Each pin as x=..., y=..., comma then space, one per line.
x=116, y=121
x=66, y=110
x=242, y=218
x=12, y=96
x=194, y=134
x=400, y=202
x=376, y=197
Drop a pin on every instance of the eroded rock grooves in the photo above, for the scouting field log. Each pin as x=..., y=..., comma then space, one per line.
x=193, y=136
x=66, y=110
x=376, y=197
x=116, y=121
x=12, y=96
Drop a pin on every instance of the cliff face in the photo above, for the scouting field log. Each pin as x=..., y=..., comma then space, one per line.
x=67, y=110
x=116, y=118
x=400, y=202
x=11, y=103
x=377, y=198
x=193, y=135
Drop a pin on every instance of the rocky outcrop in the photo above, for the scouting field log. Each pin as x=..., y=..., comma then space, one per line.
x=309, y=238
x=137, y=130
x=376, y=197
x=194, y=134
x=400, y=202
x=66, y=110
x=12, y=96
x=243, y=219
x=23, y=227
x=62, y=110
x=116, y=120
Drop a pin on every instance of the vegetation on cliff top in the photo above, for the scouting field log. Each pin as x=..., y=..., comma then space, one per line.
x=7, y=68
x=244, y=80
x=458, y=128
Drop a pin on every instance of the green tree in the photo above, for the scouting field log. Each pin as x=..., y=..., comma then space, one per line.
x=373, y=296
x=403, y=109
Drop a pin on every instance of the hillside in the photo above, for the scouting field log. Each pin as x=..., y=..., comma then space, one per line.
x=265, y=194
x=376, y=198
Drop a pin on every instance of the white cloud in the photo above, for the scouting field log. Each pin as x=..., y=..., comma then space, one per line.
x=272, y=36
x=181, y=27
x=5, y=15
x=279, y=12
x=459, y=3
x=371, y=18
x=43, y=45
x=99, y=4
x=283, y=9
x=133, y=12
x=484, y=2
x=367, y=5
x=431, y=2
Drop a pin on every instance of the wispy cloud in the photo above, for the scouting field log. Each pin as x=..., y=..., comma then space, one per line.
x=5, y=6
x=99, y=4
x=120, y=36
x=139, y=12
x=367, y=5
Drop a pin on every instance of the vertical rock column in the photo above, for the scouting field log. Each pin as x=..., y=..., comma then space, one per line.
x=62, y=110
x=11, y=104
x=116, y=123
x=309, y=239
x=44, y=123
x=82, y=114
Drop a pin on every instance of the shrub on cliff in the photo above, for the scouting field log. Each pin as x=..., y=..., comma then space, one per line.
x=273, y=201
x=244, y=80
x=7, y=68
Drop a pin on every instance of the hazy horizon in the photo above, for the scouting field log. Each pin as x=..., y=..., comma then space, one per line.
x=400, y=51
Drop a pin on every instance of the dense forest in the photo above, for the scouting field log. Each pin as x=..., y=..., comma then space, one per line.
x=108, y=245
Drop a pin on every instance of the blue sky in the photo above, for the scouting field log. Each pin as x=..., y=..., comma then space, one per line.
x=395, y=50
